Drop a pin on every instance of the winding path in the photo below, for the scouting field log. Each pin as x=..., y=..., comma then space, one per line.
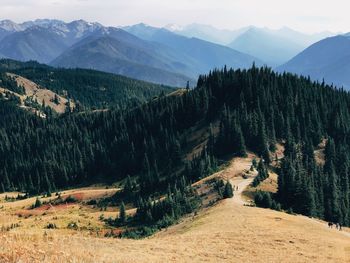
x=239, y=200
x=242, y=185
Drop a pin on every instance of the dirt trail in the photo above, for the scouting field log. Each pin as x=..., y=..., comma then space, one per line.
x=232, y=232
x=234, y=172
x=226, y=232
x=242, y=184
x=236, y=168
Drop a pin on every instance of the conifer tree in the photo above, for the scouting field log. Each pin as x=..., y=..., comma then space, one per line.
x=239, y=142
x=122, y=214
x=37, y=203
x=228, y=191
x=128, y=187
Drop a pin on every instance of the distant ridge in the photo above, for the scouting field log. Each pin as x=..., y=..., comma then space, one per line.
x=328, y=60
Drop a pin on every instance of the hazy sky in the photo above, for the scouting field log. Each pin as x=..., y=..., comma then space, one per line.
x=304, y=15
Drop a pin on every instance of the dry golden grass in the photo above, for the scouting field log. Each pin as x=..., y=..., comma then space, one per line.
x=86, y=217
x=227, y=232
x=40, y=94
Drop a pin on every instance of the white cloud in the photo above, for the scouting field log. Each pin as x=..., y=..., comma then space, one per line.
x=305, y=15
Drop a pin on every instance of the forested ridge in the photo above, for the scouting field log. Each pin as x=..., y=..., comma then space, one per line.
x=91, y=89
x=253, y=109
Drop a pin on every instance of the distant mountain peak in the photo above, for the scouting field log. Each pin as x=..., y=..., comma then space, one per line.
x=9, y=25
x=47, y=21
x=173, y=27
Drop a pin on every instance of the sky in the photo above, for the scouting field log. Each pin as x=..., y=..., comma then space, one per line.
x=303, y=15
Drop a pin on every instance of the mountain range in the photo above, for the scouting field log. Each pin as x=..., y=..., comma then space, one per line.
x=161, y=57
x=200, y=55
x=274, y=47
x=174, y=55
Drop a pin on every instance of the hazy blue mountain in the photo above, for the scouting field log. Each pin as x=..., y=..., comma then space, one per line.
x=176, y=61
x=35, y=43
x=301, y=38
x=46, y=40
x=267, y=46
x=148, y=53
x=275, y=47
x=228, y=37
x=116, y=55
x=206, y=55
x=3, y=33
x=207, y=32
x=328, y=59
x=10, y=26
x=42, y=40
x=72, y=31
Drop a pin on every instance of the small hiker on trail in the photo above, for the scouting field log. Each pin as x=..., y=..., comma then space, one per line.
x=339, y=226
x=237, y=188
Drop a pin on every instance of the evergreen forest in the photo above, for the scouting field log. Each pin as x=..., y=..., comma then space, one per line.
x=150, y=142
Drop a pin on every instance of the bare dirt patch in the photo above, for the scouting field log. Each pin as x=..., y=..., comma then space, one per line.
x=41, y=95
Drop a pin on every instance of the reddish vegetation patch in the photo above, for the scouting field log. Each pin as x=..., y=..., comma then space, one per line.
x=63, y=206
x=46, y=207
x=43, y=208
x=76, y=196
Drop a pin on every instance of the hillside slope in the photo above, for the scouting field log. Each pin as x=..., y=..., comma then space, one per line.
x=89, y=88
x=34, y=43
x=35, y=94
x=227, y=232
x=230, y=111
x=114, y=55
